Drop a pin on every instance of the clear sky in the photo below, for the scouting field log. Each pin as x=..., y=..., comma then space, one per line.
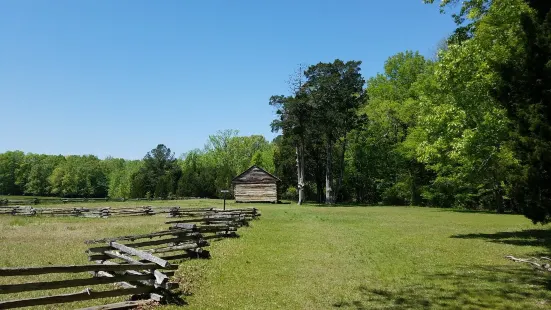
x=117, y=78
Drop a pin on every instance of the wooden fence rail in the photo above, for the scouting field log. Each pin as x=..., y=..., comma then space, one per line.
x=86, y=294
x=140, y=265
x=191, y=214
x=26, y=271
x=117, y=274
x=101, y=212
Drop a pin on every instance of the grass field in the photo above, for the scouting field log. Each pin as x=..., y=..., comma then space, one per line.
x=313, y=257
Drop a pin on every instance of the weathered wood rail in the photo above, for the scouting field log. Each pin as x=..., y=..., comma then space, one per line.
x=102, y=274
x=222, y=223
x=100, y=212
x=103, y=212
x=139, y=265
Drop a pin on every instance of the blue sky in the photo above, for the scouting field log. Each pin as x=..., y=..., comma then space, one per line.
x=119, y=77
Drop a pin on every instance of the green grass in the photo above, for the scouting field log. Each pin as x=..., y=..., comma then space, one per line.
x=313, y=257
x=373, y=258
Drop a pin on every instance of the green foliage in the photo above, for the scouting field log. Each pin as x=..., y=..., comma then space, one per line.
x=198, y=177
x=524, y=90
x=226, y=155
x=34, y=172
x=199, y=173
x=330, y=95
x=295, y=121
x=380, y=163
x=121, y=177
x=470, y=129
x=290, y=193
x=264, y=158
x=336, y=92
x=79, y=176
x=284, y=161
x=479, y=108
x=158, y=175
x=9, y=164
x=484, y=126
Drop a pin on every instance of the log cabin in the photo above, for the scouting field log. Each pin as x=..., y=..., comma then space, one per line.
x=256, y=185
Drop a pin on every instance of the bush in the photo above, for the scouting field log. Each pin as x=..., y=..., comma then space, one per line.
x=394, y=195
x=291, y=193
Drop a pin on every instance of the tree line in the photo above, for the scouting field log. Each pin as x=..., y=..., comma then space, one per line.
x=198, y=173
x=467, y=128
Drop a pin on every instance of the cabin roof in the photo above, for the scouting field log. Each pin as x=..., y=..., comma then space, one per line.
x=267, y=177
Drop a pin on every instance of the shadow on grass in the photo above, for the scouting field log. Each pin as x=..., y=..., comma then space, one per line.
x=475, y=211
x=355, y=204
x=528, y=237
x=347, y=204
x=474, y=287
x=469, y=287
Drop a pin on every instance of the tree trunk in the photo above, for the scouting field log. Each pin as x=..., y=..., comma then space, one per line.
x=297, y=152
x=412, y=186
x=499, y=200
x=300, y=172
x=329, y=174
x=500, y=208
x=341, y=175
x=319, y=190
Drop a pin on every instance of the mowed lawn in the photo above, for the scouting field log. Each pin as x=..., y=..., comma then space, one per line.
x=373, y=258
x=316, y=257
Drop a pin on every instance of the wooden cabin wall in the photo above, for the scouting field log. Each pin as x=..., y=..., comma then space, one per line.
x=259, y=192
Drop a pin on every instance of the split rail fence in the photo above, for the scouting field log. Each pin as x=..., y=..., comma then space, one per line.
x=81, y=211
x=104, y=212
x=140, y=266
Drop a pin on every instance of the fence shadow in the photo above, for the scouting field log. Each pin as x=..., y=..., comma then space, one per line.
x=347, y=204
x=475, y=211
x=493, y=287
x=471, y=287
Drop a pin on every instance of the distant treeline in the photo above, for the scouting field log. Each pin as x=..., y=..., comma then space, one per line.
x=469, y=128
x=199, y=173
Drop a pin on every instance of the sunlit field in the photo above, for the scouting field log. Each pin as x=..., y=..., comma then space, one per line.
x=316, y=257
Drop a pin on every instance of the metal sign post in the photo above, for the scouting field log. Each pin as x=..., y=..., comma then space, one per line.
x=225, y=191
